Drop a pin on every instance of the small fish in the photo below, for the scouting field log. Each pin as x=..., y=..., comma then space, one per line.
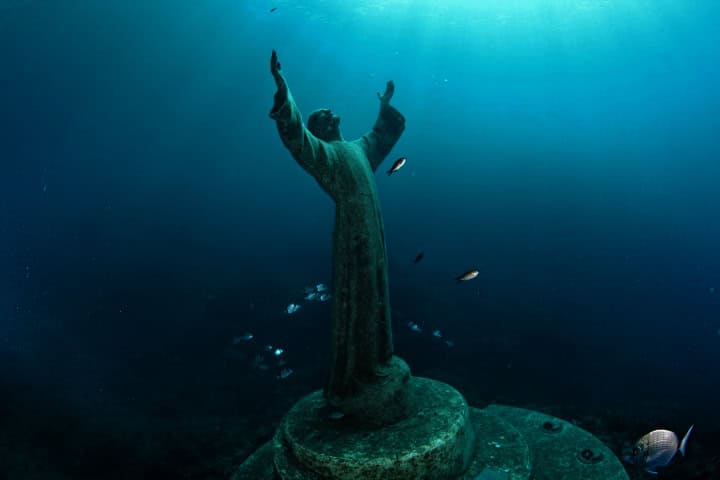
x=268, y=348
x=284, y=373
x=436, y=334
x=273, y=9
x=449, y=343
x=324, y=297
x=399, y=163
x=657, y=449
x=469, y=275
x=336, y=415
x=292, y=308
x=311, y=296
x=419, y=257
x=278, y=351
x=321, y=287
x=242, y=338
x=414, y=327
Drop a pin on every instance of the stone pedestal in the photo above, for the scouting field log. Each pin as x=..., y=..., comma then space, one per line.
x=441, y=439
x=435, y=440
x=559, y=449
x=382, y=402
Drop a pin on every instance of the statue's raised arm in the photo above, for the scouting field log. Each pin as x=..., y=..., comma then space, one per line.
x=309, y=151
x=388, y=127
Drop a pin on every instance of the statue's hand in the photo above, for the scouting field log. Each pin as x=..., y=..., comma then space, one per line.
x=282, y=89
x=275, y=70
x=389, y=91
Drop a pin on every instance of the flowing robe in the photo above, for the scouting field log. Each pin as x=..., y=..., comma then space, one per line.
x=362, y=342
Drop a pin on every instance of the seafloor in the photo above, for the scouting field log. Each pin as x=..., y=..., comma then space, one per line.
x=205, y=427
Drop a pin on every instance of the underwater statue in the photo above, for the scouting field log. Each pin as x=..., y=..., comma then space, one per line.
x=374, y=420
x=365, y=378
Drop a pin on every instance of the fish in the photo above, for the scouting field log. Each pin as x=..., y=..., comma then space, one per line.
x=292, y=308
x=657, y=449
x=273, y=9
x=278, y=351
x=242, y=338
x=311, y=296
x=259, y=362
x=321, y=287
x=284, y=373
x=437, y=334
x=399, y=163
x=419, y=257
x=324, y=297
x=336, y=415
x=469, y=275
x=414, y=327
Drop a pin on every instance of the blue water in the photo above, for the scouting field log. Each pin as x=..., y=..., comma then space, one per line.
x=149, y=214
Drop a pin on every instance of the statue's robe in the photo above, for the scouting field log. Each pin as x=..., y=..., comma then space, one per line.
x=362, y=333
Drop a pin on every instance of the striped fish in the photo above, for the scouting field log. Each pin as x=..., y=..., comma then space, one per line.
x=399, y=163
x=657, y=449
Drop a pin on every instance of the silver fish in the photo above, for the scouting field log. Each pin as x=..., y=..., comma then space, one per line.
x=292, y=308
x=336, y=415
x=242, y=338
x=469, y=275
x=399, y=163
x=284, y=373
x=414, y=327
x=657, y=449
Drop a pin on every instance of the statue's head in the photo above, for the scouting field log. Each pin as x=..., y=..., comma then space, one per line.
x=324, y=125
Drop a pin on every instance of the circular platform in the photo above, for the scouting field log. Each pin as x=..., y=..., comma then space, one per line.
x=442, y=439
x=560, y=450
x=501, y=452
x=435, y=441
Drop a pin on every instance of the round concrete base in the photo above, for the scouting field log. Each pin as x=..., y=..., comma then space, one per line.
x=435, y=440
x=560, y=450
x=501, y=452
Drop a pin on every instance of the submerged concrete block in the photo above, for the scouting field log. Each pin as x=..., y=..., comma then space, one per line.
x=441, y=439
x=559, y=449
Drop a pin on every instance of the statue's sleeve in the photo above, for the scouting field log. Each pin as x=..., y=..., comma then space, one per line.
x=313, y=155
x=388, y=127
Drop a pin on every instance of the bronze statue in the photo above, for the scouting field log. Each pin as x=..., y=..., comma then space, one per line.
x=362, y=335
